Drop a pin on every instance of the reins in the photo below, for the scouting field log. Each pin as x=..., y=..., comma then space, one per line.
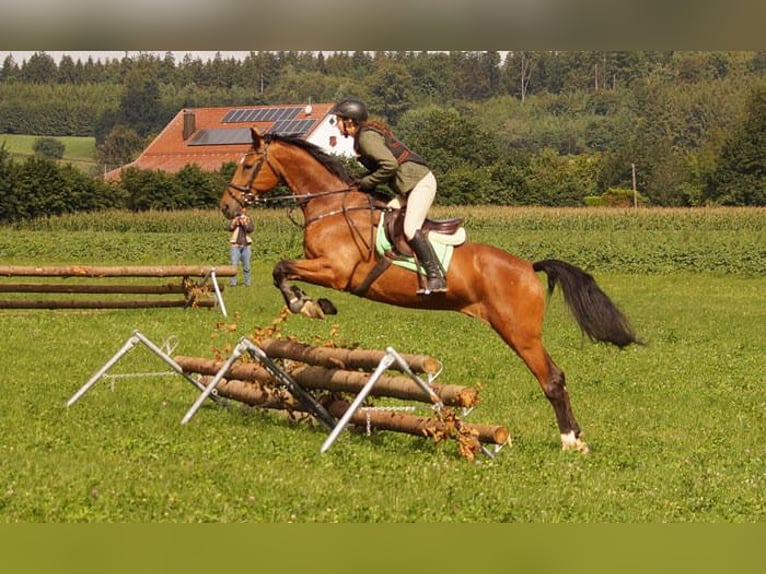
x=301, y=200
x=371, y=207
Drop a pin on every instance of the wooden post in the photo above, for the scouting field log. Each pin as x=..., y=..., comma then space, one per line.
x=635, y=192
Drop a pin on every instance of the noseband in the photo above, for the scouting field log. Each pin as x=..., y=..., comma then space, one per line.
x=247, y=197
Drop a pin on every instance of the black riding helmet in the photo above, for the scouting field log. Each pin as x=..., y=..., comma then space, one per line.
x=351, y=108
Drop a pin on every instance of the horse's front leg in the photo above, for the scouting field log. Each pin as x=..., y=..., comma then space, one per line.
x=315, y=271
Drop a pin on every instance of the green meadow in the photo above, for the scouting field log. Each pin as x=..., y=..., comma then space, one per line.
x=79, y=151
x=676, y=428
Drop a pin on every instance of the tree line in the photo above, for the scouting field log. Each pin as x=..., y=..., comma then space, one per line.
x=526, y=128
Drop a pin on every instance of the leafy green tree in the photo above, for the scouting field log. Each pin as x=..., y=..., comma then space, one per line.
x=478, y=74
x=445, y=138
x=120, y=147
x=433, y=85
x=302, y=87
x=390, y=89
x=199, y=189
x=510, y=172
x=140, y=105
x=757, y=64
x=740, y=178
x=150, y=189
x=48, y=147
x=39, y=187
x=68, y=72
x=10, y=70
x=465, y=185
x=553, y=180
x=43, y=189
x=9, y=201
x=39, y=69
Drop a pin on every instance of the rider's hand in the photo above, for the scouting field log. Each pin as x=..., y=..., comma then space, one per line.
x=361, y=185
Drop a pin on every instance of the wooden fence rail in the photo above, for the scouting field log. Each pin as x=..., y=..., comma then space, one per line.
x=191, y=283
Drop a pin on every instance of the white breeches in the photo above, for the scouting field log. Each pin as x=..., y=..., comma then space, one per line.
x=419, y=201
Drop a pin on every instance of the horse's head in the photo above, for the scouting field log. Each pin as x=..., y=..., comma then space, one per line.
x=253, y=177
x=305, y=168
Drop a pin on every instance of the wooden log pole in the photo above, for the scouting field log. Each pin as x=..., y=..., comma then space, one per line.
x=343, y=358
x=417, y=425
x=92, y=288
x=117, y=271
x=99, y=304
x=254, y=393
x=337, y=380
x=257, y=395
x=400, y=387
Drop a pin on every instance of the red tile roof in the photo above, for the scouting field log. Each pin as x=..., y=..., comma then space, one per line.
x=170, y=152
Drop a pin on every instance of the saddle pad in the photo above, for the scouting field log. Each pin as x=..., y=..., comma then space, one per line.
x=383, y=247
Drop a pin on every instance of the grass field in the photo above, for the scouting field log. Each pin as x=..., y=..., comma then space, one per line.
x=79, y=151
x=676, y=428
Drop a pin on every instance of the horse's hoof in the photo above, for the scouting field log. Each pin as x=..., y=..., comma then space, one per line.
x=327, y=306
x=296, y=306
x=312, y=310
x=570, y=442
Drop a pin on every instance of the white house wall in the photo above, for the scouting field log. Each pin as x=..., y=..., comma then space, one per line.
x=327, y=136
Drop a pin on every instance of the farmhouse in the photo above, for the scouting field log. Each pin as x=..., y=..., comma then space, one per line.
x=211, y=137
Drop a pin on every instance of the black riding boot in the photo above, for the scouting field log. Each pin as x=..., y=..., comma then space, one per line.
x=424, y=251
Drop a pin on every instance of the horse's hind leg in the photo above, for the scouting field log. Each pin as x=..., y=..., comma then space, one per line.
x=530, y=349
x=553, y=383
x=556, y=392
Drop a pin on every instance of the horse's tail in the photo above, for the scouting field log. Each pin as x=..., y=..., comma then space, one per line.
x=594, y=311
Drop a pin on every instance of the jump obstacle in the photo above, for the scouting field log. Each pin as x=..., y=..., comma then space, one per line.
x=316, y=381
x=193, y=293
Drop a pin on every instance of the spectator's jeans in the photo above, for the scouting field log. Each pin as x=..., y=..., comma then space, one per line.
x=239, y=254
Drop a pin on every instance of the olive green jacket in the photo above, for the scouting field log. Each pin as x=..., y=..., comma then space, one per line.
x=375, y=154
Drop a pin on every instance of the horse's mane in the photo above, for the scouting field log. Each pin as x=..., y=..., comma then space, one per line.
x=331, y=162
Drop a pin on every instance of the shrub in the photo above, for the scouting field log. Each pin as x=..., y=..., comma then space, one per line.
x=48, y=148
x=615, y=197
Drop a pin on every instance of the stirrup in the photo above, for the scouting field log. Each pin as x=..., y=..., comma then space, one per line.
x=433, y=285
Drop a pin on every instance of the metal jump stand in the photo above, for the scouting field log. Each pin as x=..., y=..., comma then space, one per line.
x=132, y=341
x=208, y=391
x=306, y=399
x=218, y=297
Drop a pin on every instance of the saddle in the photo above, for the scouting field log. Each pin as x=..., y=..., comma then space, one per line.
x=394, y=228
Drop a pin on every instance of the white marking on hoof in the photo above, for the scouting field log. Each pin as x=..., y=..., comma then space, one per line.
x=570, y=442
x=312, y=310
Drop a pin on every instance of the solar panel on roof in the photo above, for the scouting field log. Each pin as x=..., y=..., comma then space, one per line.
x=288, y=113
x=292, y=127
x=253, y=115
x=238, y=115
x=231, y=116
x=221, y=136
x=260, y=114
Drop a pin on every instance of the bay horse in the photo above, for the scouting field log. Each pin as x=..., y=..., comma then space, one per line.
x=485, y=282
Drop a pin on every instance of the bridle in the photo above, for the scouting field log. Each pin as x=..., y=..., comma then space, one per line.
x=247, y=197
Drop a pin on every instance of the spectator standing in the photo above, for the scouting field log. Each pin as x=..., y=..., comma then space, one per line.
x=241, y=226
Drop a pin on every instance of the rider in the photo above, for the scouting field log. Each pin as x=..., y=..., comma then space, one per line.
x=389, y=161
